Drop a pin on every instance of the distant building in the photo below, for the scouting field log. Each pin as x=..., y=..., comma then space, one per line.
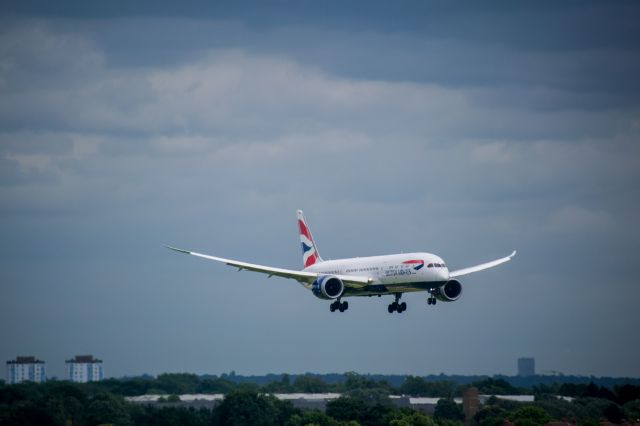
x=470, y=403
x=83, y=369
x=25, y=368
x=526, y=367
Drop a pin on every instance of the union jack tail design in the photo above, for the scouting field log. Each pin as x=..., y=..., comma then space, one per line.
x=310, y=255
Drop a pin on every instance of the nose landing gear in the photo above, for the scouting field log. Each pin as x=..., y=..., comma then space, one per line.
x=339, y=306
x=397, y=307
x=432, y=299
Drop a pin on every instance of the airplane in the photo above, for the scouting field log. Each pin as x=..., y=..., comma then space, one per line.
x=393, y=274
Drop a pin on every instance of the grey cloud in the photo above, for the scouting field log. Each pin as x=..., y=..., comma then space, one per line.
x=215, y=147
x=35, y=58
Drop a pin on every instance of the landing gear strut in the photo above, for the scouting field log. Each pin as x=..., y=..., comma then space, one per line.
x=397, y=307
x=340, y=306
x=432, y=299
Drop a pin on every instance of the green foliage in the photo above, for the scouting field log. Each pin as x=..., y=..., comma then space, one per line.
x=417, y=386
x=613, y=413
x=310, y=384
x=561, y=409
x=286, y=380
x=177, y=383
x=490, y=415
x=282, y=386
x=447, y=409
x=414, y=386
x=311, y=417
x=571, y=389
x=529, y=416
x=249, y=408
x=591, y=408
x=626, y=393
x=543, y=391
x=356, y=381
x=171, y=416
x=370, y=397
x=632, y=410
x=346, y=408
x=127, y=387
x=594, y=391
x=364, y=402
x=492, y=386
x=505, y=404
x=445, y=422
x=215, y=386
x=108, y=408
x=365, y=412
x=412, y=419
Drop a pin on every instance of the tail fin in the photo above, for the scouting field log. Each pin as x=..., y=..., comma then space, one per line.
x=310, y=254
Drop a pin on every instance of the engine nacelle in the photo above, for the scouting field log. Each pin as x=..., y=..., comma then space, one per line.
x=327, y=287
x=449, y=292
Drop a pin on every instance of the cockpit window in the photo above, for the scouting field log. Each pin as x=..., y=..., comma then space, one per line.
x=430, y=265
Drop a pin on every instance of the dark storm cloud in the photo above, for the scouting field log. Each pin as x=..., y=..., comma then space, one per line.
x=465, y=131
x=576, y=46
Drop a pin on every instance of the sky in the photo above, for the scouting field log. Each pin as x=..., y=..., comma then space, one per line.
x=463, y=129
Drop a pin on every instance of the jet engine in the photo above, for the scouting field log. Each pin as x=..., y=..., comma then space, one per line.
x=449, y=292
x=327, y=287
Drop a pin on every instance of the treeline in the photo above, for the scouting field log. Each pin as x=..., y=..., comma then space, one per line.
x=396, y=380
x=63, y=403
x=184, y=383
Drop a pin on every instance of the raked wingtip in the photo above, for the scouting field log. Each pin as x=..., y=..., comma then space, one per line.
x=177, y=249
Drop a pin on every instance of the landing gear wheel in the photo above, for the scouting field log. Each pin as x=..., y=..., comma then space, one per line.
x=396, y=306
x=339, y=306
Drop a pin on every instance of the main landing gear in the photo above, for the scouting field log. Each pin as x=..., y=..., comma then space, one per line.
x=397, y=307
x=432, y=299
x=340, y=306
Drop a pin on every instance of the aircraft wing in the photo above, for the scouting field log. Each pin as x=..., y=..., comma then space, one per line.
x=301, y=276
x=482, y=266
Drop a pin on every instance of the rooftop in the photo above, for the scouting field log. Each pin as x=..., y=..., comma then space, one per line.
x=25, y=360
x=85, y=359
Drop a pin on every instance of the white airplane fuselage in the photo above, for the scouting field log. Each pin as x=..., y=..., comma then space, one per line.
x=390, y=273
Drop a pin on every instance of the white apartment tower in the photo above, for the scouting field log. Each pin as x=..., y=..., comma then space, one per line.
x=83, y=369
x=25, y=368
